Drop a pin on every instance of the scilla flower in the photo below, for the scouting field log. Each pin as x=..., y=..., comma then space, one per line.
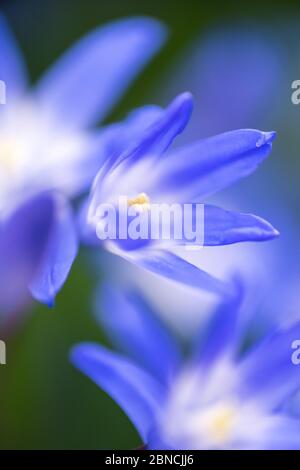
x=147, y=173
x=45, y=143
x=217, y=399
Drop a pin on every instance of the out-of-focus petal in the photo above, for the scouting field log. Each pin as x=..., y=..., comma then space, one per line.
x=212, y=164
x=222, y=335
x=135, y=329
x=59, y=256
x=136, y=392
x=12, y=67
x=24, y=238
x=268, y=373
x=79, y=158
x=87, y=81
x=171, y=266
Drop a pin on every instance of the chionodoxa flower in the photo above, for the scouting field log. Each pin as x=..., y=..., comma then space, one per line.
x=147, y=174
x=218, y=398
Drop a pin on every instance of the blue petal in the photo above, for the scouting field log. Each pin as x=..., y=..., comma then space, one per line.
x=88, y=80
x=216, y=227
x=102, y=147
x=158, y=442
x=268, y=373
x=171, y=266
x=141, y=118
x=222, y=335
x=157, y=139
x=209, y=165
x=223, y=227
x=135, y=329
x=59, y=257
x=136, y=392
x=12, y=68
x=24, y=238
x=117, y=137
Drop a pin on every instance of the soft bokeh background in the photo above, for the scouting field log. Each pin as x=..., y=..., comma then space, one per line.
x=44, y=402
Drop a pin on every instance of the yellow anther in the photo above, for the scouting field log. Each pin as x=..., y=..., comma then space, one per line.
x=221, y=423
x=140, y=203
x=9, y=151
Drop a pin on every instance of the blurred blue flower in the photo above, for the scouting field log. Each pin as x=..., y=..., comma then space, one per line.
x=219, y=398
x=45, y=141
x=147, y=173
x=24, y=240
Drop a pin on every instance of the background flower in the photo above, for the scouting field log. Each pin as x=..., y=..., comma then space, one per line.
x=218, y=399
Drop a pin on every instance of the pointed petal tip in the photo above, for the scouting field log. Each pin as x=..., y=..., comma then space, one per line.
x=185, y=98
x=184, y=102
x=158, y=30
x=266, y=138
x=51, y=303
x=276, y=233
x=272, y=136
x=47, y=299
x=78, y=352
x=187, y=95
x=269, y=232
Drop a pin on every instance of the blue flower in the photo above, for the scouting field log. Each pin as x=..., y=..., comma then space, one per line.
x=216, y=399
x=46, y=143
x=147, y=173
x=24, y=241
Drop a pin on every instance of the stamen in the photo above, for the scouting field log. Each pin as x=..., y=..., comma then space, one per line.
x=221, y=423
x=140, y=203
x=9, y=151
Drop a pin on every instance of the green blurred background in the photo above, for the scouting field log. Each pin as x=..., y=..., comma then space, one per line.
x=44, y=402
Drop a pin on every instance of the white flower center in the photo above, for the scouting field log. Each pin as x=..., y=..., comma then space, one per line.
x=9, y=153
x=203, y=412
x=36, y=154
x=213, y=425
